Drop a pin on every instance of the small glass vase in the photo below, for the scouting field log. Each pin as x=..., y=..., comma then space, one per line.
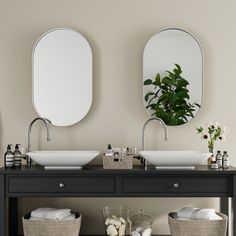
x=211, y=148
x=116, y=220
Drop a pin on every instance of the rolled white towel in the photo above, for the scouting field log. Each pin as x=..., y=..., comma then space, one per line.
x=51, y=213
x=186, y=212
x=216, y=217
x=205, y=214
x=71, y=217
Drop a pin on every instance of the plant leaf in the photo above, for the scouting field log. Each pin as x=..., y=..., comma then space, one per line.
x=166, y=81
x=182, y=82
x=178, y=69
x=157, y=81
x=180, y=113
x=182, y=95
x=151, y=106
x=148, y=95
x=148, y=82
x=171, y=74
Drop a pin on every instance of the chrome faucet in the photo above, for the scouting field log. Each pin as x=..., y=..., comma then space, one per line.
x=45, y=121
x=145, y=125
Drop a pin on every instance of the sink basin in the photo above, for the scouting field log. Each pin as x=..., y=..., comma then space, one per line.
x=176, y=159
x=63, y=159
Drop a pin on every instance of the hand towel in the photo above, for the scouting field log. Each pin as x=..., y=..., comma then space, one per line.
x=186, y=212
x=51, y=213
x=205, y=214
x=197, y=214
x=70, y=217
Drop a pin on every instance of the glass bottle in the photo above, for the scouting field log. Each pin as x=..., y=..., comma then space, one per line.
x=225, y=160
x=17, y=156
x=109, y=151
x=8, y=157
x=219, y=159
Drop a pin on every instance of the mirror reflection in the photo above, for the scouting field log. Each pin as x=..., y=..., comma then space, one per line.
x=173, y=76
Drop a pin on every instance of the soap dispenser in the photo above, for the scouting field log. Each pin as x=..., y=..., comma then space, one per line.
x=17, y=156
x=8, y=157
x=109, y=150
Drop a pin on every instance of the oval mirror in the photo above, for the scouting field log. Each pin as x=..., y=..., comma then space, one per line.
x=62, y=76
x=173, y=76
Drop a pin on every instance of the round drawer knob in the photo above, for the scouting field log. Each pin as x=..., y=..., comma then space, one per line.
x=176, y=185
x=61, y=185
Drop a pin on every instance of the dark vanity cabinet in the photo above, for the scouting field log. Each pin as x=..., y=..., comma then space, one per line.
x=93, y=181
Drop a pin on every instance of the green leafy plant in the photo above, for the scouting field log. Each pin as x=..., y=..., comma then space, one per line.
x=168, y=98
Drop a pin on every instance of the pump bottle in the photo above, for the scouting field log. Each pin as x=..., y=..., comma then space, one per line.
x=17, y=156
x=8, y=157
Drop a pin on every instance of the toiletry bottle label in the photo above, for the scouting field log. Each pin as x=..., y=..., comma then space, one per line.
x=219, y=162
x=219, y=159
x=226, y=163
x=9, y=160
x=17, y=159
x=214, y=165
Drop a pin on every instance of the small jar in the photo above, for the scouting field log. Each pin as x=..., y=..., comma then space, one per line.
x=141, y=224
x=210, y=160
x=214, y=165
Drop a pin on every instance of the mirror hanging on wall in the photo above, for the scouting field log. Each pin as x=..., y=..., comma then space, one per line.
x=62, y=76
x=173, y=76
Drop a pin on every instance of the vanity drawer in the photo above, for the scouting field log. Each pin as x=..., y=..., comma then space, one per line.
x=175, y=185
x=61, y=185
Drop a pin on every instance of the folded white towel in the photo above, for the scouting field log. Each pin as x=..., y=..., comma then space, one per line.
x=70, y=217
x=197, y=214
x=186, y=212
x=51, y=213
x=205, y=214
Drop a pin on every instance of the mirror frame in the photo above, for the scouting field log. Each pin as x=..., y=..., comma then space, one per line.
x=32, y=70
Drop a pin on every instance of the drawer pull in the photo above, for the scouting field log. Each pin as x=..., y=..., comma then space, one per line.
x=176, y=185
x=61, y=185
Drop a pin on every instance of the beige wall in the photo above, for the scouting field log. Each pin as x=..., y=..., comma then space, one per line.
x=117, y=31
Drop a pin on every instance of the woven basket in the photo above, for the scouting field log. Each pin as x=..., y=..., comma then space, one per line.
x=197, y=227
x=51, y=227
x=117, y=162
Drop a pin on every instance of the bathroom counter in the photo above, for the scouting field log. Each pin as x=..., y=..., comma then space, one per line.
x=99, y=169
x=93, y=181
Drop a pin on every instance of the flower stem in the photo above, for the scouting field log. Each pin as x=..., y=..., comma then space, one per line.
x=211, y=146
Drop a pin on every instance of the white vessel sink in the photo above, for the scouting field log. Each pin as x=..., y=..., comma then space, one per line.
x=175, y=159
x=63, y=159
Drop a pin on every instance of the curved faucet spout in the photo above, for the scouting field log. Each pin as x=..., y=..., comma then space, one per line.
x=147, y=122
x=46, y=122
